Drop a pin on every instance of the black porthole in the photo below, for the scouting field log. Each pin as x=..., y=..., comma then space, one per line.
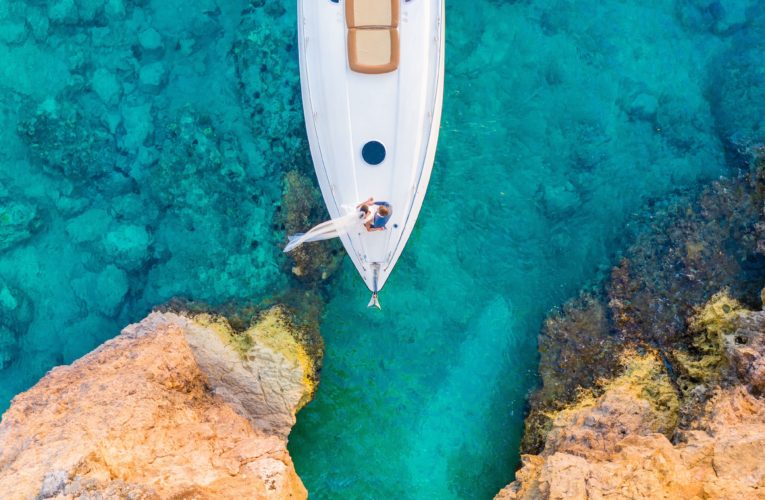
x=373, y=152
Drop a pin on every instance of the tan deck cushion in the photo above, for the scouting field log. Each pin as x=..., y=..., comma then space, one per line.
x=371, y=13
x=373, y=51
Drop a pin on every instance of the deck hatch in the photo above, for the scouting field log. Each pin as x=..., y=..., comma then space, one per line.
x=373, y=152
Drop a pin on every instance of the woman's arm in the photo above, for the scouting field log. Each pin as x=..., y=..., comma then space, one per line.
x=368, y=203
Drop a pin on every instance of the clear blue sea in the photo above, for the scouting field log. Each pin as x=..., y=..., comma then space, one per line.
x=142, y=150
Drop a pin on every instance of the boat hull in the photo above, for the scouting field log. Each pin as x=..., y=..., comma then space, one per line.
x=345, y=110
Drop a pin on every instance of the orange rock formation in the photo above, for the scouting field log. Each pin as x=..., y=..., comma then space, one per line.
x=173, y=407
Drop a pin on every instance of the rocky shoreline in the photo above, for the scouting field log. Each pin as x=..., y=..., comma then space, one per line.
x=653, y=385
x=176, y=406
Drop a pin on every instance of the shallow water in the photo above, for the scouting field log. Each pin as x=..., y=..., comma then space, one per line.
x=143, y=146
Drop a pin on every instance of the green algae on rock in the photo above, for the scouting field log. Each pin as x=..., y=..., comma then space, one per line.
x=275, y=328
x=618, y=444
x=272, y=339
x=641, y=400
x=703, y=361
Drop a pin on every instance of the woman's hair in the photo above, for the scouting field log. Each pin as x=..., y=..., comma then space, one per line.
x=383, y=210
x=364, y=209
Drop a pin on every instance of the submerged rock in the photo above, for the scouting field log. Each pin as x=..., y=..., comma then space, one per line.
x=19, y=220
x=105, y=291
x=14, y=304
x=738, y=89
x=175, y=406
x=128, y=246
x=302, y=208
x=64, y=140
x=106, y=86
x=152, y=76
x=16, y=313
x=150, y=39
x=63, y=11
x=196, y=164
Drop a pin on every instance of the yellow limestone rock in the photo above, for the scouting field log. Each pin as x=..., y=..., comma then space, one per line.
x=168, y=409
x=726, y=461
x=270, y=350
x=617, y=446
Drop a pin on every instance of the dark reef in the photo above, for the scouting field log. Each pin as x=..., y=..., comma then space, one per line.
x=654, y=301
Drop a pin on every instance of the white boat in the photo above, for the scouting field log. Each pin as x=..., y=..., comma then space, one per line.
x=372, y=75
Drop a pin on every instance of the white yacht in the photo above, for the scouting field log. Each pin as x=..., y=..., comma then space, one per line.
x=372, y=76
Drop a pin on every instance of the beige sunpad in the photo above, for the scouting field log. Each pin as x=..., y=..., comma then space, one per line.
x=373, y=51
x=371, y=13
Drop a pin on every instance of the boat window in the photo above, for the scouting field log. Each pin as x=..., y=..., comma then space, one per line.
x=373, y=152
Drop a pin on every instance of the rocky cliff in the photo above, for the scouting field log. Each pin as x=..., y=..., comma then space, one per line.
x=654, y=386
x=175, y=406
x=624, y=443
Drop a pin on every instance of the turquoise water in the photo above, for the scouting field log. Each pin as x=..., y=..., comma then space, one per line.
x=143, y=147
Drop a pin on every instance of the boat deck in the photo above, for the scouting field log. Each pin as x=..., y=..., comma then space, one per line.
x=346, y=110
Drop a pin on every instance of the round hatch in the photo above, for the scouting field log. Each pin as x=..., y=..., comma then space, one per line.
x=373, y=152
